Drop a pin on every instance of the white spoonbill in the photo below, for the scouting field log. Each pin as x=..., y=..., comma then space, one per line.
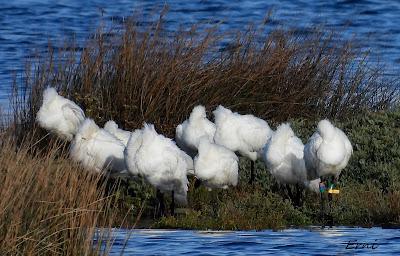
x=59, y=115
x=245, y=134
x=284, y=157
x=159, y=161
x=215, y=165
x=122, y=135
x=98, y=150
x=188, y=133
x=327, y=152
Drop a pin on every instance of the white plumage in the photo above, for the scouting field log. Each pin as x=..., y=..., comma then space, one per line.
x=215, y=165
x=283, y=156
x=122, y=135
x=59, y=115
x=188, y=133
x=245, y=134
x=160, y=161
x=98, y=150
x=327, y=152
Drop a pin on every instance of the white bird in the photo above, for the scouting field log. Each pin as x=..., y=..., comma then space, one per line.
x=122, y=135
x=59, y=115
x=188, y=133
x=215, y=165
x=159, y=161
x=327, y=152
x=283, y=156
x=98, y=150
x=245, y=134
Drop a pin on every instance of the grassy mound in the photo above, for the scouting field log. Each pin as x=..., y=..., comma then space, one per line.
x=135, y=75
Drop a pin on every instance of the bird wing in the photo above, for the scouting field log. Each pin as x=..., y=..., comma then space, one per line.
x=209, y=128
x=180, y=139
x=205, y=164
x=110, y=151
x=254, y=132
x=189, y=162
x=348, y=149
x=133, y=145
x=347, y=143
x=179, y=134
x=310, y=155
x=298, y=164
x=73, y=113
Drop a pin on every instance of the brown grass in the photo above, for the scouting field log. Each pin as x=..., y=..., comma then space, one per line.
x=49, y=205
x=135, y=75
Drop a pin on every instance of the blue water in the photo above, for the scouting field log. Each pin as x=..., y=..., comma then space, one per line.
x=312, y=241
x=26, y=26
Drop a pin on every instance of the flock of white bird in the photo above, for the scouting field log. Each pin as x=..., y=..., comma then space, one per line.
x=204, y=149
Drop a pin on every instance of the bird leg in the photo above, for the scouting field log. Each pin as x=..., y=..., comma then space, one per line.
x=330, y=204
x=160, y=212
x=299, y=195
x=322, y=204
x=197, y=183
x=336, y=179
x=252, y=175
x=215, y=203
x=289, y=192
x=172, y=206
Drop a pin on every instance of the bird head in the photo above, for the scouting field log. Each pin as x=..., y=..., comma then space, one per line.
x=282, y=134
x=284, y=131
x=49, y=94
x=326, y=129
x=220, y=113
x=198, y=112
x=149, y=131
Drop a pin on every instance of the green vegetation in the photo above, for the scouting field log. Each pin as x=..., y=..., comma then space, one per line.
x=369, y=186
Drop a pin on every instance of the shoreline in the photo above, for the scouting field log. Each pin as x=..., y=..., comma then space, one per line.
x=306, y=227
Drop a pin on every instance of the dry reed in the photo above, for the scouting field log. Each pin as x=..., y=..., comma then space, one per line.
x=135, y=75
x=49, y=205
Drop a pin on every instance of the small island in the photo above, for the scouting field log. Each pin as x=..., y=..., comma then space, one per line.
x=104, y=137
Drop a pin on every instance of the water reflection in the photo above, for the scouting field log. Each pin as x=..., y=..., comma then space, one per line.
x=311, y=241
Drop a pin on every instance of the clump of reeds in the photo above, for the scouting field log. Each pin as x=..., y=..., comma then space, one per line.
x=49, y=205
x=141, y=74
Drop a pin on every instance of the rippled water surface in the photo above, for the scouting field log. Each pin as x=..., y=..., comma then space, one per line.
x=313, y=241
x=27, y=25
